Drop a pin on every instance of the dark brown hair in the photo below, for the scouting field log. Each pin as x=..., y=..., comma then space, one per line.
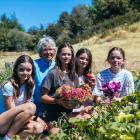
x=118, y=49
x=89, y=66
x=71, y=66
x=15, y=78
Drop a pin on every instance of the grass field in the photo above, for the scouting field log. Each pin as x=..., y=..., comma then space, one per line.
x=127, y=37
x=8, y=57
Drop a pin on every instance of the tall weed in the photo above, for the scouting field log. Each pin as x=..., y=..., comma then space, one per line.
x=5, y=74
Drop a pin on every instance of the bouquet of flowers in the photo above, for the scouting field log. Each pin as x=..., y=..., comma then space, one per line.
x=64, y=91
x=111, y=89
x=74, y=96
x=82, y=93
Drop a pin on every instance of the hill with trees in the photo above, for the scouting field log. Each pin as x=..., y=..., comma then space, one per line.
x=82, y=23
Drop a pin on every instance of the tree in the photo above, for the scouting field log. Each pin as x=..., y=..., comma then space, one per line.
x=14, y=23
x=35, y=33
x=3, y=39
x=54, y=30
x=135, y=4
x=80, y=22
x=4, y=21
x=18, y=40
x=65, y=36
x=11, y=23
x=105, y=9
x=64, y=20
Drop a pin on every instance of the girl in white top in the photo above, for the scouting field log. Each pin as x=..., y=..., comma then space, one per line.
x=16, y=109
x=83, y=67
x=116, y=73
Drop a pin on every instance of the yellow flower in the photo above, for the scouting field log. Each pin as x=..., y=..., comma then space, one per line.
x=121, y=117
x=138, y=114
x=129, y=117
x=126, y=137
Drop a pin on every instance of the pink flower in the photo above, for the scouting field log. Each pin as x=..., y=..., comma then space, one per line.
x=79, y=95
x=64, y=91
x=111, y=88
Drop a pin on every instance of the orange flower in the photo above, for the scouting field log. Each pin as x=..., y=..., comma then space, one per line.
x=79, y=95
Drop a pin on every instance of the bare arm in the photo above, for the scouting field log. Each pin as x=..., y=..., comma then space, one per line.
x=9, y=102
x=45, y=98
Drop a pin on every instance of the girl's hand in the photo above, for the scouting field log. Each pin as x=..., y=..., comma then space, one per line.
x=91, y=83
x=90, y=79
x=87, y=109
x=97, y=99
x=105, y=101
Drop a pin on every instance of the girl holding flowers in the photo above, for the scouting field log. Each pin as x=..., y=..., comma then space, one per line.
x=63, y=73
x=115, y=81
x=83, y=67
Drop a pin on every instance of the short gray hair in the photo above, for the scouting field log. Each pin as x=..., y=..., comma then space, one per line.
x=46, y=41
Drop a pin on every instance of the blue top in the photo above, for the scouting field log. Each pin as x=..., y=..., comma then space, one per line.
x=41, y=70
x=7, y=90
x=124, y=77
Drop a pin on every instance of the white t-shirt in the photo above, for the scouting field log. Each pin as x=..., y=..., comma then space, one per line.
x=7, y=90
x=124, y=77
x=81, y=80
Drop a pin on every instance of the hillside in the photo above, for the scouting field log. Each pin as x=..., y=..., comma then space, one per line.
x=127, y=37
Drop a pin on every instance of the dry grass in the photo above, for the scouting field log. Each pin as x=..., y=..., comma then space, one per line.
x=126, y=37
x=12, y=56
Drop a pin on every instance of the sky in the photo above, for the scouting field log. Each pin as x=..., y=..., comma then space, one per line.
x=32, y=13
